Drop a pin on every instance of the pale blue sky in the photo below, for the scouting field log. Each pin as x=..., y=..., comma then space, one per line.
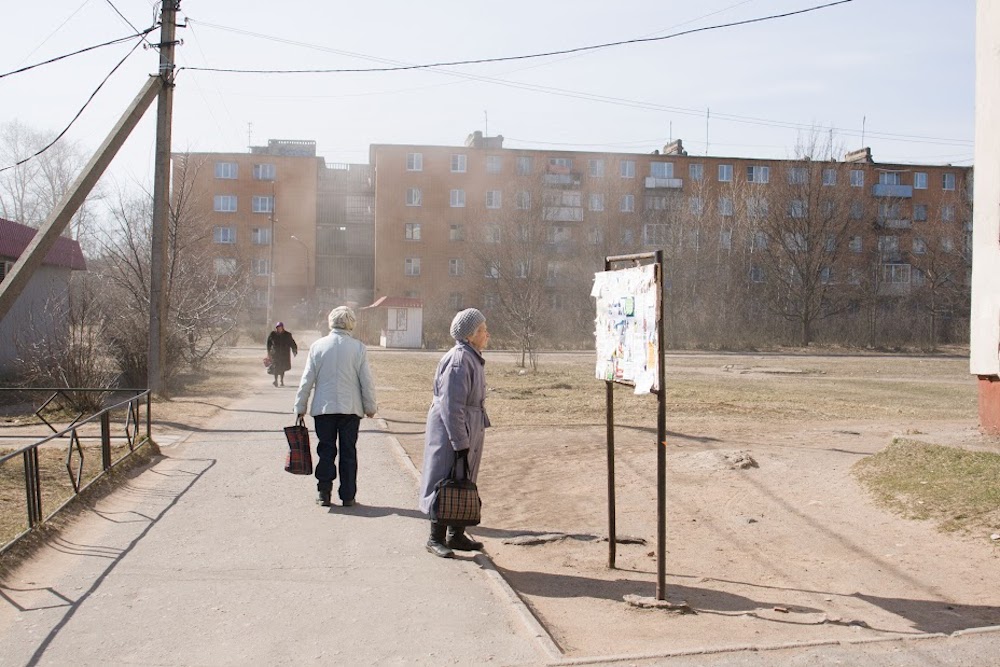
x=906, y=66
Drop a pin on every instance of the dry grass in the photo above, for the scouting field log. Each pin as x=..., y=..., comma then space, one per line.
x=956, y=488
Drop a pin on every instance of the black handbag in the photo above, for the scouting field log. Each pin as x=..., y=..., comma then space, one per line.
x=456, y=501
x=298, y=461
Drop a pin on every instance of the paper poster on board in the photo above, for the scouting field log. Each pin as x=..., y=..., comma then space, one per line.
x=625, y=327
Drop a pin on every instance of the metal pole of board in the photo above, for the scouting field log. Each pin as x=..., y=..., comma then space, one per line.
x=609, y=397
x=661, y=440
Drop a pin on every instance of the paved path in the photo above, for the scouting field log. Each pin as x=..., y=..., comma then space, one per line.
x=216, y=556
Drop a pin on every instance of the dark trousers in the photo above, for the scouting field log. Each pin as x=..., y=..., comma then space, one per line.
x=330, y=429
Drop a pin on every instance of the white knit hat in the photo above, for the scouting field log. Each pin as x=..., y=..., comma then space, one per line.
x=465, y=323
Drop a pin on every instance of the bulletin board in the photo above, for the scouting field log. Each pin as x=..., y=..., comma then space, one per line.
x=626, y=332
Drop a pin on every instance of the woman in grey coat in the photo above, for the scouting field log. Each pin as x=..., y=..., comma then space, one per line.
x=456, y=423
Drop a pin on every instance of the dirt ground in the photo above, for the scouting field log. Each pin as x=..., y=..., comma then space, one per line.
x=791, y=549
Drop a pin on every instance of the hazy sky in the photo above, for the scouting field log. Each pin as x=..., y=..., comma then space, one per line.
x=903, y=69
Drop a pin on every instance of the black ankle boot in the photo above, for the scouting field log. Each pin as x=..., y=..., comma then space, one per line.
x=435, y=544
x=323, y=499
x=457, y=539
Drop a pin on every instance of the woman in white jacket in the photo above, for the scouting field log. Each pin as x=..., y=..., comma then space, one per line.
x=337, y=367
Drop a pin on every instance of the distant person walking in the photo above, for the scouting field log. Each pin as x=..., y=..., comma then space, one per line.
x=337, y=368
x=456, y=423
x=280, y=347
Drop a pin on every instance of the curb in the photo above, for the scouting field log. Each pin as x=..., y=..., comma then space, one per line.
x=487, y=566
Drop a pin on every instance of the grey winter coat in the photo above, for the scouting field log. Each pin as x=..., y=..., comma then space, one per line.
x=456, y=420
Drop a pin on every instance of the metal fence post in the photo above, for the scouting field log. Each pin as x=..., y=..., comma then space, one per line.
x=106, y=440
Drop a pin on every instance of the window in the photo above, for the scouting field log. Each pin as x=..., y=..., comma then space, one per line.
x=411, y=266
x=455, y=267
x=492, y=270
x=888, y=178
x=898, y=274
x=491, y=233
x=856, y=245
x=661, y=169
x=831, y=243
x=828, y=207
x=627, y=236
x=888, y=244
x=264, y=172
x=757, y=174
x=857, y=178
x=759, y=241
x=798, y=208
x=225, y=266
x=917, y=277
x=596, y=202
x=525, y=165
x=490, y=301
x=552, y=271
x=948, y=181
x=657, y=203
x=225, y=235
x=522, y=200
x=263, y=204
x=947, y=213
x=888, y=211
x=455, y=300
x=797, y=175
x=595, y=168
x=857, y=210
x=554, y=235
x=829, y=176
x=458, y=163
x=920, y=180
x=656, y=234
x=494, y=164
x=260, y=267
x=726, y=239
x=555, y=301
x=228, y=170
x=414, y=197
x=414, y=162
x=919, y=246
x=561, y=164
x=260, y=236
x=492, y=199
x=795, y=242
x=947, y=245
x=826, y=275
x=456, y=233
x=225, y=203
x=756, y=274
x=696, y=171
x=627, y=204
x=595, y=236
x=854, y=278
x=457, y=199
x=522, y=269
x=696, y=206
x=523, y=232
x=412, y=231
x=627, y=169
x=725, y=173
x=725, y=206
x=757, y=207
x=920, y=212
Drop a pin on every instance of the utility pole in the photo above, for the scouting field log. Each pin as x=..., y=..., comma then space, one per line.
x=270, y=262
x=161, y=198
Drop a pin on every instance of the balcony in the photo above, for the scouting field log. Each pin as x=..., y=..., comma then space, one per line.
x=562, y=213
x=567, y=180
x=894, y=223
x=653, y=182
x=882, y=190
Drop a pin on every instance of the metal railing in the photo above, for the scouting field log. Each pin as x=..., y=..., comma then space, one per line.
x=97, y=425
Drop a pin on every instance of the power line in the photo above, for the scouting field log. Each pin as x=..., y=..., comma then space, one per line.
x=129, y=23
x=480, y=61
x=139, y=33
x=78, y=113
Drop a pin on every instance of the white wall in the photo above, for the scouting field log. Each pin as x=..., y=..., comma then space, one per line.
x=984, y=345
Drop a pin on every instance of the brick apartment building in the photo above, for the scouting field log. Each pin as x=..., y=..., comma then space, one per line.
x=441, y=223
x=303, y=229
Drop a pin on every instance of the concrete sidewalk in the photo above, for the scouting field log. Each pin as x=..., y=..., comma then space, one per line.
x=216, y=556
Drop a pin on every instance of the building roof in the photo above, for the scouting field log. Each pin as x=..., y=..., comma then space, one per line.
x=15, y=237
x=397, y=302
